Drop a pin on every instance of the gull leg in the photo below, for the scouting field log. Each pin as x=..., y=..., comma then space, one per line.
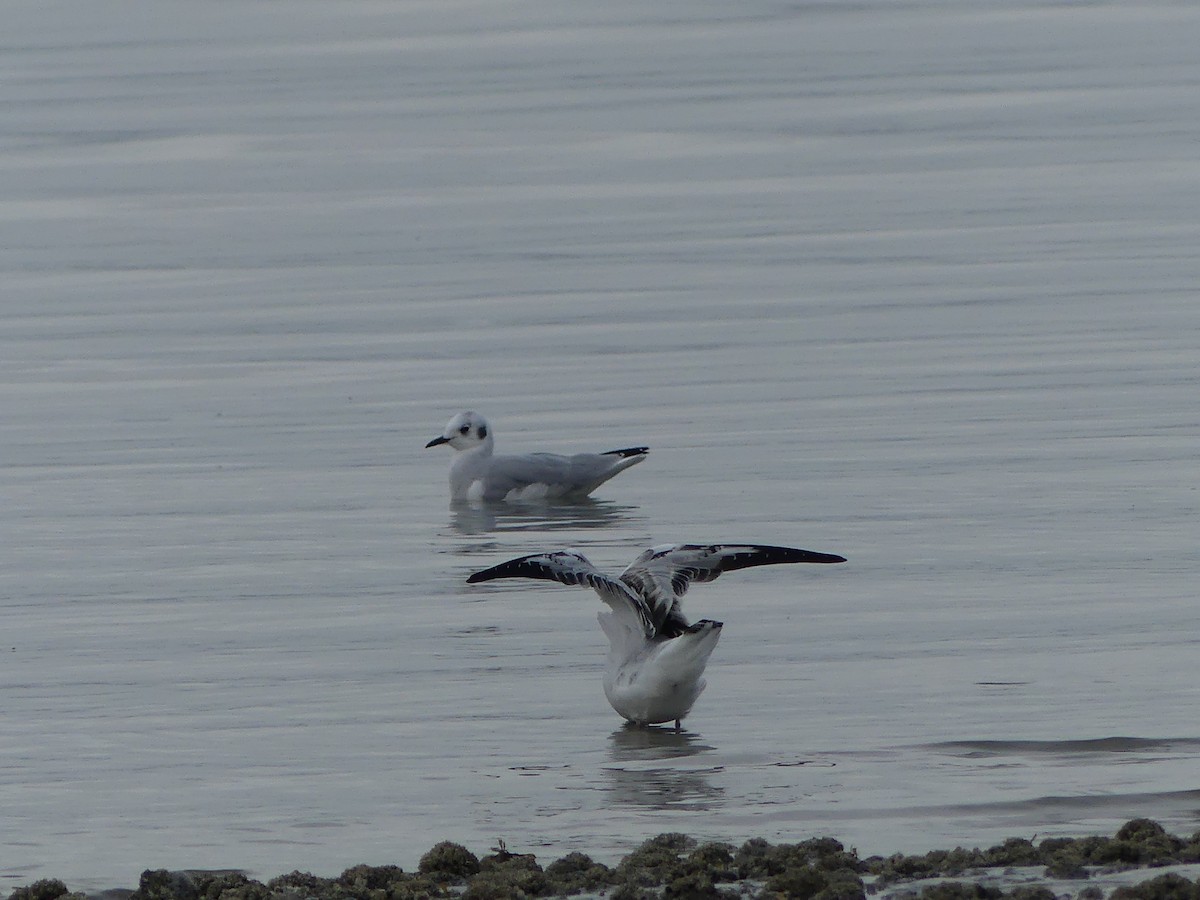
x=678, y=727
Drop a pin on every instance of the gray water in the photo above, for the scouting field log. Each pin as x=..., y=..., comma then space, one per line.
x=911, y=282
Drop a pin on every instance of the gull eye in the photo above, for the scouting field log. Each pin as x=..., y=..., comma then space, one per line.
x=464, y=429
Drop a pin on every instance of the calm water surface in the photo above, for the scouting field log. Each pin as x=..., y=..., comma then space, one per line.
x=911, y=282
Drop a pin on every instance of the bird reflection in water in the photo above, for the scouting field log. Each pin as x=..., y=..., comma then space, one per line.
x=543, y=516
x=650, y=768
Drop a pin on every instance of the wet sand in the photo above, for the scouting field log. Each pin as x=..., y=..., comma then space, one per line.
x=1142, y=861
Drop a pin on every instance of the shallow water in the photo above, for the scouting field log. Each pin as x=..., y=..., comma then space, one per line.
x=913, y=283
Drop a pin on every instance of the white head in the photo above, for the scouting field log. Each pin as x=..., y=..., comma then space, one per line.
x=465, y=431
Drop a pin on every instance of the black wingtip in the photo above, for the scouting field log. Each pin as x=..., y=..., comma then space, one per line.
x=514, y=568
x=504, y=570
x=627, y=452
x=763, y=555
x=796, y=555
x=814, y=557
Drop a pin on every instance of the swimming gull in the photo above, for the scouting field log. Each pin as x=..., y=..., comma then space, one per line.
x=656, y=659
x=476, y=474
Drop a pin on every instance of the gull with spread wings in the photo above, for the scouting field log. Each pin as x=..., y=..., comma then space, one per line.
x=656, y=658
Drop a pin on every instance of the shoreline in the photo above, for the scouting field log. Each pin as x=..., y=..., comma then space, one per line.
x=1141, y=861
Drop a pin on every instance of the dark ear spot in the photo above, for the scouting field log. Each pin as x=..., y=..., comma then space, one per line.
x=482, y=432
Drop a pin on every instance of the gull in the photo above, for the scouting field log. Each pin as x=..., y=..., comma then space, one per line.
x=656, y=659
x=476, y=474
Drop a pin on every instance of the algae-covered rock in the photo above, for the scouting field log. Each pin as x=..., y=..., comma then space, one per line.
x=361, y=882
x=228, y=886
x=842, y=884
x=1190, y=851
x=691, y=884
x=713, y=861
x=418, y=888
x=300, y=885
x=1064, y=858
x=806, y=882
x=1164, y=887
x=674, y=865
x=1144, y=831
x=1013, y=852
x=505, y=875
x=676, y=862
x=1088, y=850
x=819, y=868
x=161, y=884
x=630, y=891
x=1031, y=892
x=959, y=861
x=757, y=858
x=798, y=883
x=1066, y=867
x=448, y=860
x=751, y=858
x=828, y=853
x=370, y=882
x=45, y=889
x=577, y=872
x=900, y=867
x=656, y=862
x=960, y=890
x=1153, y=843
x=198, y=884
x=486, y=887
x=506, y=861
x=1139, y=842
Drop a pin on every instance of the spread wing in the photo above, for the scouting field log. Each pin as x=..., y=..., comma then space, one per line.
x=571, y=567
x=662, y=574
